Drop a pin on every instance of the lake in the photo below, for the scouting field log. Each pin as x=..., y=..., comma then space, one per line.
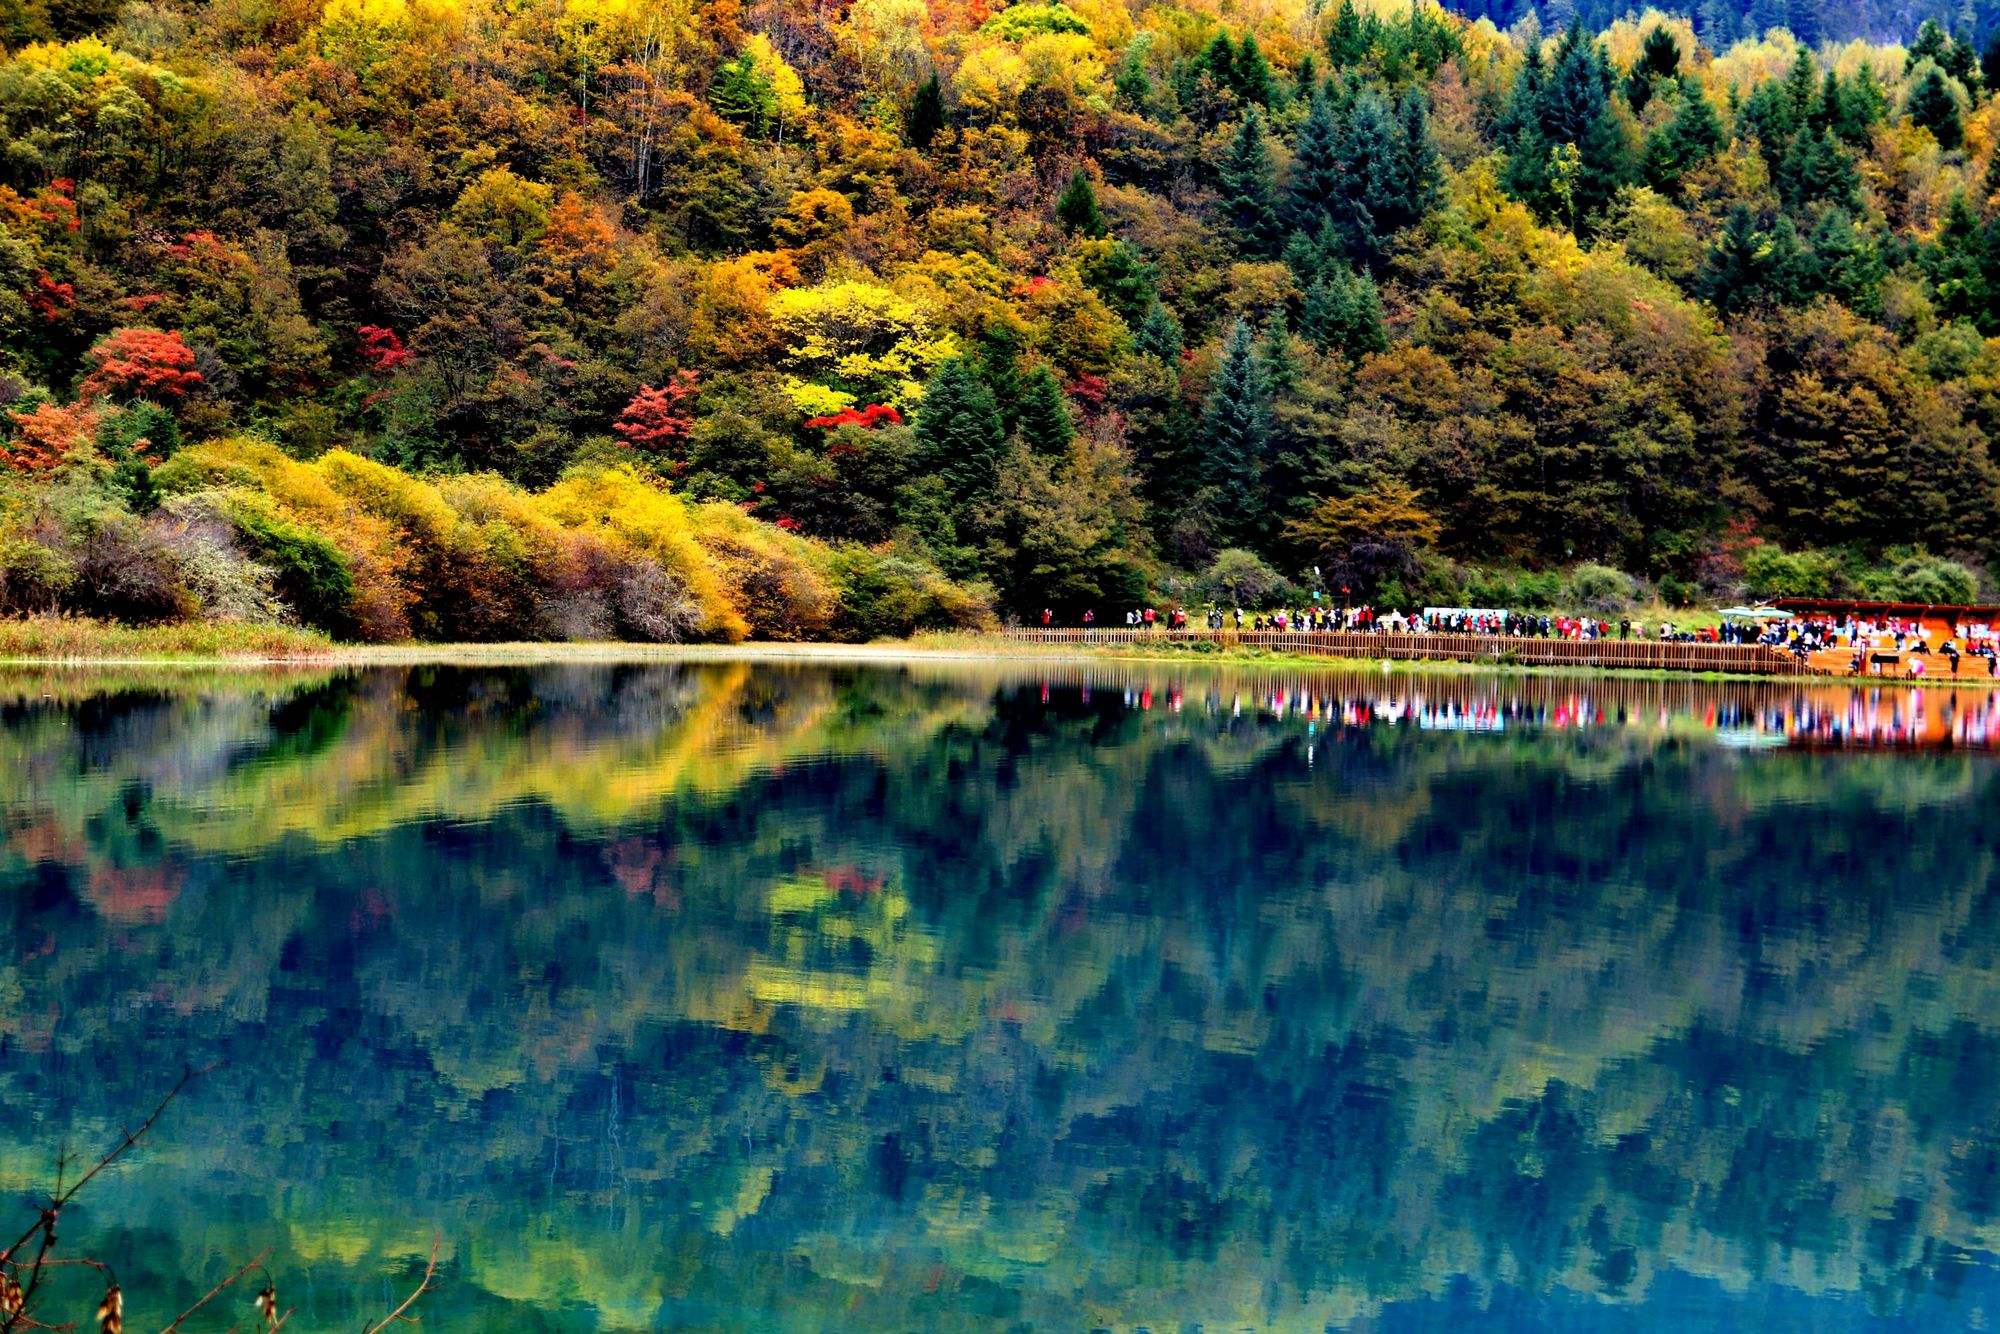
x=818, y=996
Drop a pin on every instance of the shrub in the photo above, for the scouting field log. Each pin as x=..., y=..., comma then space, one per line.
x=34, y=574
x=887, y=593
x=125, y=570
x=1241, y=578
x=1773, y=572
x=1918, y=576
x=308, y=571
x=769, y=574
x=225, y=582
x=1599, y=588
x=622, y=509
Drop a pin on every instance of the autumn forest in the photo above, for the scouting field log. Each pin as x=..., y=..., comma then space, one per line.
x=702, y=319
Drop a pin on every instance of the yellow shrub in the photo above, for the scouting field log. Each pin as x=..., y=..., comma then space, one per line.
x=619, y=506
x=772, y=577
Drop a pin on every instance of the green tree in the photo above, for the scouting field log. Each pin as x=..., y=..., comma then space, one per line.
x=1316, y=168
x=1694, y=136
x=1350, y=37
x=926, y=115
x=1236, y=431
x=1343, y=312
x=1659, y=62
x=1251, y=74
x=1932, y=106
x=1076, y=206
x=959, y=434
x=1249, y=187
x=1046, y=428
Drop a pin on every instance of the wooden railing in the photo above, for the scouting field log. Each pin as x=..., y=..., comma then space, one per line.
x=1628, y=654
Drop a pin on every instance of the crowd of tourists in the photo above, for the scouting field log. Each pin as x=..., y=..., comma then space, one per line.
x=1875, y=642
x=1367, y=620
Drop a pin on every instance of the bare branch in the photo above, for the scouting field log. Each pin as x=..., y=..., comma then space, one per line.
x=430, y=1273
x=255, y=1262
x=45, y=1223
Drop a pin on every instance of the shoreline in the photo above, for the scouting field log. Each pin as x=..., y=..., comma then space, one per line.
x=942, y=647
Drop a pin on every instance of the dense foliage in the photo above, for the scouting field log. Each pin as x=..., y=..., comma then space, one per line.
x=1068, y=300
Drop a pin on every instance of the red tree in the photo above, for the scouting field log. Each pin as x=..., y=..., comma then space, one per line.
x=381, y=348
x=872, y=416
x=44, y=438
x=142, y=363
x=656, y=420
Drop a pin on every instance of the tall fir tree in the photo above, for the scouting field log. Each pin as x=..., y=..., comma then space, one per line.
x=926, y=114
x=1932, y=106
x=1694, y=136
x=1316, y=167
x=1349, y=37
x=1046, y=427
x=1250, y=188
x=1658, y=64
x=1076, y=206
x=1342, y=313
x=1159, y=335
x=1236, y=435
x=1253, y=80
x=959, y=435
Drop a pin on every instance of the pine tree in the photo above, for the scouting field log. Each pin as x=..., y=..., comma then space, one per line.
x=1733, y=273
x=1046, y=427
x=1131, y=82
x=1305, y=76
x=959, y=435
x=1419, y=178
x=1785, y=268
x=742, y=94
x=1316, y=168
x=1933, y=107
x=1343, y=312
x=1989, y=63
x=1659, y=62
x=1249, y=187
x=926, y=115
x=1956, y=267
x=1253, y=80
x=1219, y=59
x=1816, y=170
x=1575, y=109
x=1348, y=38
x=1863, y=106
x=1116, y=271
x=1236, y=430
x=1930, y=44
x=1076, y=207
x=1159, y=336
x=1848, y=264
x=997, y=363
x=1802, y=85
x=1692, y=137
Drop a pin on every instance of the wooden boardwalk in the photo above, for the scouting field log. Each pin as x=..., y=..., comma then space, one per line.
x=1618, y=654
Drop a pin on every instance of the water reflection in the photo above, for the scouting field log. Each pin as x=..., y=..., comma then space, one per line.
x=847, y=997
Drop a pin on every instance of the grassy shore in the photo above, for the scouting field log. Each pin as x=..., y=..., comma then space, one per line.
x=74, y=642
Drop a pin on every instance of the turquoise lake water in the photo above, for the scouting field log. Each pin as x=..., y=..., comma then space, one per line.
x=763, y=996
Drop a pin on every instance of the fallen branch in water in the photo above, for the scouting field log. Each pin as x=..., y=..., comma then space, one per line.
x=17, y=1295
x=430, y=1274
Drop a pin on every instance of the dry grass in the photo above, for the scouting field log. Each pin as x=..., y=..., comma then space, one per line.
x=80, y=639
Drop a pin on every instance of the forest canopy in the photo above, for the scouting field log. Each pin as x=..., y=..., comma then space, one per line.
x=762, y=318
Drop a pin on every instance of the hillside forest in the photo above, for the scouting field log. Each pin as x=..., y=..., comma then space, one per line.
x=667, y=319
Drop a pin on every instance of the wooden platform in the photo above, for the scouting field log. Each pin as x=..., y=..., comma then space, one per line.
x=1622, y=654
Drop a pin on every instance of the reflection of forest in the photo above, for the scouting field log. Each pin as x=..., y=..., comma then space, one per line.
x=918, y=998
